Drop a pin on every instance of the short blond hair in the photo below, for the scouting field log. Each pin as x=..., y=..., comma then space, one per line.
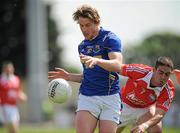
x=86, y=11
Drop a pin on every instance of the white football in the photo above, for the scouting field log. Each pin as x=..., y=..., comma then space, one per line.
x=59, y=90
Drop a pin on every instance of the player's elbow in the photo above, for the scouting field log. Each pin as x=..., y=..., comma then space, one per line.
x=118, y=66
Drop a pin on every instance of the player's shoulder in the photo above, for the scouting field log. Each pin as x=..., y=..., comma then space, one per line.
x=107, y=34
x=169, y=89
x=135, y=71
x=81, y=44
x=16, y=77
x=138, y=67
x=170, y=84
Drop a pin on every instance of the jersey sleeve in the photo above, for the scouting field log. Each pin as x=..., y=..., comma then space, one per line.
x=135, y=71
x=113, y=43
x=166, y=97
x=80, y=47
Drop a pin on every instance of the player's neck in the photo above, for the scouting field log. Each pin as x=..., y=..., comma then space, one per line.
x=96, y=33
x=153, y=83
x=152, y=86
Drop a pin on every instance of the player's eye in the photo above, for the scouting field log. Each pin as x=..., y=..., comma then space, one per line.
x=167, y=74
x=161, y=73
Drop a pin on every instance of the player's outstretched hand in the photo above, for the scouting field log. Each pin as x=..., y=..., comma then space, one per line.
x=58, y=73
x=139, y=128
x=22, y=96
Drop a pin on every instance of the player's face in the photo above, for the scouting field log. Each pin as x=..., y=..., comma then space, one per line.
x=9, y=69
x=88, y=27
x=161, y=75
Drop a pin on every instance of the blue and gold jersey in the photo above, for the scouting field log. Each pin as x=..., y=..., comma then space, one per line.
x=98, y=81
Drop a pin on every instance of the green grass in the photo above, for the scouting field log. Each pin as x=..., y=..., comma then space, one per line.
x=28, y=129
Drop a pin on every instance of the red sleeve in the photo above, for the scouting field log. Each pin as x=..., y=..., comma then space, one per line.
x=166, y=97
x=135, y=71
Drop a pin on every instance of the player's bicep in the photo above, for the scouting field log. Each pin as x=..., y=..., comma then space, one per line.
x=115, y=56
x=115, y=60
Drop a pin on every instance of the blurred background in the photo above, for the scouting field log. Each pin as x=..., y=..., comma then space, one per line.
x=38, y=35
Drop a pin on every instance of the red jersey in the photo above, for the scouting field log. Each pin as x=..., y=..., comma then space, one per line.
x=137, y=91
x=9, y=89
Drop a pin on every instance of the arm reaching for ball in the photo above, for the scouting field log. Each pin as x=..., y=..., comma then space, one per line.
x=61, y=73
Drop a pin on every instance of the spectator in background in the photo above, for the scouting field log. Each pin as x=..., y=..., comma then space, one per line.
x=10, y=93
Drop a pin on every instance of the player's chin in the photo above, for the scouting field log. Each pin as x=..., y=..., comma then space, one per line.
x=162, y=83
x=88, y=37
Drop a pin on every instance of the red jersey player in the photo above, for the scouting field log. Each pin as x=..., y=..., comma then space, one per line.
x=146, y=96
x=10, y=93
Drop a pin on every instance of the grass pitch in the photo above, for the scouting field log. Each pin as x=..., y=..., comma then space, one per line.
x=31, y=129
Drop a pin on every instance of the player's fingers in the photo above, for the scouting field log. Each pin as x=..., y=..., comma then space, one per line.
x=59, y=69
x=88, y=61
x=81, y=55
x=91, y=64
x=135, y=130
x=52, y=73
x=85, y=57
x=51, y=77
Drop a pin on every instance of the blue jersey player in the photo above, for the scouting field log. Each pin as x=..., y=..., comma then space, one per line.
x=100, y=55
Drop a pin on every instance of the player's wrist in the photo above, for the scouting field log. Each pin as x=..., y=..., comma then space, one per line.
x=146, y=126
x=68, y=78
x=98, y=61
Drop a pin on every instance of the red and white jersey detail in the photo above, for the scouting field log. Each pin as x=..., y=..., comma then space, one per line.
x=137, y=91
x=9, y=89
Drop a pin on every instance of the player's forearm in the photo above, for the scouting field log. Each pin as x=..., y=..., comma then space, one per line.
x=22, y=96
x=153, y=121
x=75, y=77
x=110, y=65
